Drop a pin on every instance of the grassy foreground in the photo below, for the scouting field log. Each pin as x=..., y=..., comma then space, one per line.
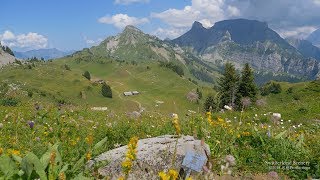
x=50, y=141
x=81, y=134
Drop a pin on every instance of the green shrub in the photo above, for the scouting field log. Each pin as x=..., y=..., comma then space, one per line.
x=9, y=102
x=270, y=87
x=67, y=67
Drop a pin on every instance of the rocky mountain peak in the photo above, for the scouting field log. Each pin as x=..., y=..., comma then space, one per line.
x=131, y=29
x=197, y=25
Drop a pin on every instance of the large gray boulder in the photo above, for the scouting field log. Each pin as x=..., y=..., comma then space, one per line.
x=153, y=155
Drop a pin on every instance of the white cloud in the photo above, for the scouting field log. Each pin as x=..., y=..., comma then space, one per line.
x=7, y=35
x=317, y=2
x=122, y=20
x=207, y=11
x=30, y=40
x=178, y=18
x=169, y=33
x=297, y=32
x=233, y=11
x=126, y=2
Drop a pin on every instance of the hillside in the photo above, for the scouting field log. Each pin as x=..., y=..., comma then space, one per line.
x=50, y=82
x=241, y=41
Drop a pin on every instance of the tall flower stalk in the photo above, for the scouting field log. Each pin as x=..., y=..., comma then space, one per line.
x=131, y=155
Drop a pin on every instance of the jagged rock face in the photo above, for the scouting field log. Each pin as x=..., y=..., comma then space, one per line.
x=248, y=41
x=153, y=155
x=5, y=58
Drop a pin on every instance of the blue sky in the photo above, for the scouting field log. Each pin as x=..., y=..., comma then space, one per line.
x=74, y=24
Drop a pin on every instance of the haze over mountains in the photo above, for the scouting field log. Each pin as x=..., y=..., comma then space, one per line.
x=52, y=53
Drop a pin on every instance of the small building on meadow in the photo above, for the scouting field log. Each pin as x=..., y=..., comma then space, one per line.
x=135, y=92
x=129, y=93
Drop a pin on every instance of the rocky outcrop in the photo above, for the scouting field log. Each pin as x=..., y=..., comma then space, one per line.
x=153, y=155
x=5, y=58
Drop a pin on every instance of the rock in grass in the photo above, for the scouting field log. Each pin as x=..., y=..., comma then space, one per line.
x=153, y=155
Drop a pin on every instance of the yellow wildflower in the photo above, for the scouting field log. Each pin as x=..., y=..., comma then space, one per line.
x=73, y=142
x=209, y=118
x=12, y=151
x=89, y=139
x=16, y=152
x=88, y=156
x=52, y=157
x=130, y=155
x=220, y=119
x=246, y=133
x=173, y=174
x=121, y=178
x=176, y=125
x=164, y=176
x=189, y=178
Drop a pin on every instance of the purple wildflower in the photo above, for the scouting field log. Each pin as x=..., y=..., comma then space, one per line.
x=31, y=124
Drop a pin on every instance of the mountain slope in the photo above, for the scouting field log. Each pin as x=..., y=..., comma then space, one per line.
x=5, y=58
x=42, y=53
x=248, y=41
x=314, y=37
x=305, y=47
x=133, y=45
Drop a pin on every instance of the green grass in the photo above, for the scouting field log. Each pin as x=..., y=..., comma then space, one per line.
x=155, y=84
x=248, y=142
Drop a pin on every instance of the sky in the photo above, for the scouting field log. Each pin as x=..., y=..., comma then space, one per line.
x=76, y=24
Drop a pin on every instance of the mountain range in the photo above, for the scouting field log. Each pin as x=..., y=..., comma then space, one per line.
x=52, y=53
x=203, y=51
x=249, y=41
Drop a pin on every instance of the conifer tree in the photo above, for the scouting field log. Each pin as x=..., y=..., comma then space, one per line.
x=199, y=93
x=247, y=86
x=87, y=75
x=228, y=85
x=106, y=90
x=209, y=104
